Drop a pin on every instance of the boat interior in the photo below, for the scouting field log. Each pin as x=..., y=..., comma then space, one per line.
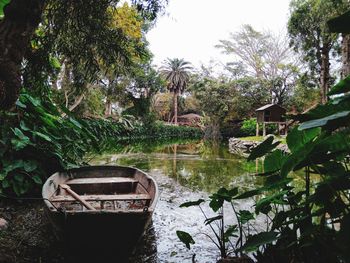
x=129, y=194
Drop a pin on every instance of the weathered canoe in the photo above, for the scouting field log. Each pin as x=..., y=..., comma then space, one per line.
x=100, y=210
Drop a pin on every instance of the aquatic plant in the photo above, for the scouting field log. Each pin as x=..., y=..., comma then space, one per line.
x=224, y=233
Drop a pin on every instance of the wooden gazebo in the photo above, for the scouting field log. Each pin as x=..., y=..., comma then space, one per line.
x=271, y=113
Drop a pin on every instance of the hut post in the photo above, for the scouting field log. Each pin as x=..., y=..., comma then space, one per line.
x=279, y=128
x=264, y=129
x=257, y=128
x=285, y=128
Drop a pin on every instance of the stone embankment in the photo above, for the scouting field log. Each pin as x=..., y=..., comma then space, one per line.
x=243, y=147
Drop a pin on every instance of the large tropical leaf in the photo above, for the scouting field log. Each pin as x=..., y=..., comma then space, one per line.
x=185, y=238
x=244, y=216
x=248, y=194
x=341, y=87
x=274, y=161
x=340, y=24
x=263, y=148
x=297, y=157
x=339, y=118
x=297, y=138
x=230, y=232
x=3, y=3
x=192, y=203
x=212, y=219
x=260, y=239
x=264, y=203
x=217, y=199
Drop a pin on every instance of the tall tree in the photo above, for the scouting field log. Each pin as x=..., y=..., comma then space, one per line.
x=82, y=19
x=340, y=25
x=115, y=76
x=263, y=56
x=177, y=74
x=310, y=35
x=216, y=100
x=345, y=55
x=21, y=19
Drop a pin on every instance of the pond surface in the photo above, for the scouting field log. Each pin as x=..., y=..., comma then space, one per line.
x=184, y=172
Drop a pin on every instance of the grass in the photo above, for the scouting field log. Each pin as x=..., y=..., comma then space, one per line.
x=252, y=138
x=261, y=138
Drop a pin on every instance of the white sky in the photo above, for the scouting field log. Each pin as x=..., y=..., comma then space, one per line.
x=191, y=28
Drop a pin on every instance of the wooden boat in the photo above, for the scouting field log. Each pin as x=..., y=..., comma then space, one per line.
x=100, y=210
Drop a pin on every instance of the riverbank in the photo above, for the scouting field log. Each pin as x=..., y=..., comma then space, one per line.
x=243, y=146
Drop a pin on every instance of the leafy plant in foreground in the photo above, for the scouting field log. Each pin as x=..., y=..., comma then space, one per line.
x=312, y=219
x=36, y=141
x=224, y=233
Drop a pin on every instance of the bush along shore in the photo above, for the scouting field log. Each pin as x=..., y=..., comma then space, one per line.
x=37, y=141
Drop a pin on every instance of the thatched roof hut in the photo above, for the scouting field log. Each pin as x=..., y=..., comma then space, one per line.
x=190, y=119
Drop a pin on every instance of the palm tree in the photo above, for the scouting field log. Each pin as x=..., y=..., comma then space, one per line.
x=176, y=72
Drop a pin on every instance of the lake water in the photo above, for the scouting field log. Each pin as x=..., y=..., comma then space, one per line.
x=184, y=171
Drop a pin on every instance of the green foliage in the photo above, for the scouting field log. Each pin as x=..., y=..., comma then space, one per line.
x=296, y=139
x=159, y=130
x=176, y=73
x=93, y=103
x=306, y=93
x=223, y=233
x=185, y=238
x=252, y=93
x=36, y=141
x=263, y=148
x=307, y=218
x=193, y=203
x=342, y=87
x=310, y=35
x=248, y=127
x=330, y=120
x=3, y=3
x=258, y=240
x=215, y=98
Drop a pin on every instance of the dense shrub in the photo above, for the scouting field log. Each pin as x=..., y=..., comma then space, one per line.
x=160, y=130
x=248, y=128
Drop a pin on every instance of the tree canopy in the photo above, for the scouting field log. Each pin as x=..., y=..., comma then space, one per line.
x=80, y=31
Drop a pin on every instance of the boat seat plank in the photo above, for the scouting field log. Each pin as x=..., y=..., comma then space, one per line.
x=122, y=197
x=101, y=180
x=117, y=211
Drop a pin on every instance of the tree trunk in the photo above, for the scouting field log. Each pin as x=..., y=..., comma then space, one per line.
x=345, y=55
x=324, y=76
x=175, y=107
x=175, y=174
x=76, y=103
x=22, y=17
x=108, y=109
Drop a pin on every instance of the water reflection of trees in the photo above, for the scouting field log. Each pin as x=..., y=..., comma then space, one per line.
x=198, y=165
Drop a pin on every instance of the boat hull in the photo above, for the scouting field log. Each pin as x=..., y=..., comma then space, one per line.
x=105, y=235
